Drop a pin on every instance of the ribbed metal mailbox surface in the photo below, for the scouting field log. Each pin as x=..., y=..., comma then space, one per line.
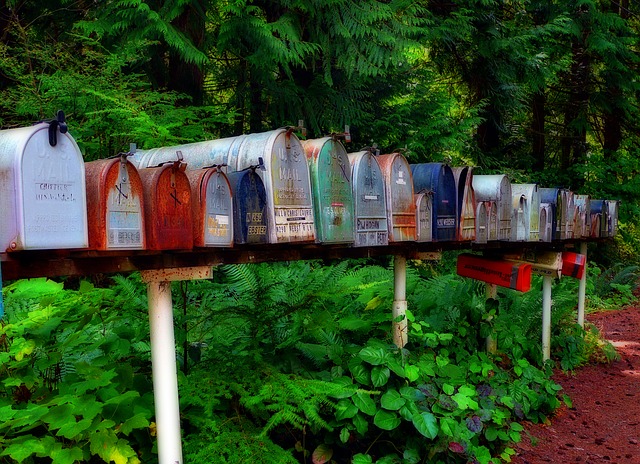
x=249, y=207
x=42, y=190
x=486, y=222
x=330, y=173
x=285, y=176
x=546, y=222
x=167, y=206
x=212, y=207
x=197, y=155
x=568, y=213
x=582, y=217
x=532, y=218
x=497, y=188
x=466, y=203
x=370, y=200
x=401, y=208
x=424, y=217
x=438, y=178
x=115, y=205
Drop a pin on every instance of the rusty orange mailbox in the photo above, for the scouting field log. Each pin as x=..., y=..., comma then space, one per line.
x=167, y=199
x=401, y=206
x=516, y=276
x=212, y=207
x=115, y=205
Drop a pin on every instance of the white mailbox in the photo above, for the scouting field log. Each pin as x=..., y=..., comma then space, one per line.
x=42, y=189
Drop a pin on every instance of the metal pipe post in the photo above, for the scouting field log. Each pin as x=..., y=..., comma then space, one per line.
x=165, y=377
x=582, y=287
x=399, y=301
x=546, y=317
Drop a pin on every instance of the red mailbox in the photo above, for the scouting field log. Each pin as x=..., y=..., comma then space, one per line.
x=115, y=205
x=573, y=264
x=167, y=199
x=516, y=276
x=212, y=207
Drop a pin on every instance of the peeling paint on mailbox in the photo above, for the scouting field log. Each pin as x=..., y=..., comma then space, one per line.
x=212, y=207
x=249, y=207
x=370, y=200
x=401, y=208
x=42, y=190
x=330, y=173
x=167, y=200
x=497, y=188
x=532, y=215
x=114, y=205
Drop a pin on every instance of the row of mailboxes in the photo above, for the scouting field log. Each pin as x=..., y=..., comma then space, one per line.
x=274, y=189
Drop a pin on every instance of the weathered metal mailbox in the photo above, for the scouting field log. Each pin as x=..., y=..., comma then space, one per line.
x=497, y=188
x=604, y=218
x=582, y=217
x=516, y=276
x=424, y=217
x=370, y=200
x=466, y=203
x=547, y=215
x=562, y=207
x=532, y=216
x=438, y=178
x=212, y=207
x=486, y=222
x=285, y=175
x=519, y=217
x=401, y=207
x=249, y=207
x=330, y=173
x=42, y=189
x=115, y=205
x=613, y=207
x=167, y=205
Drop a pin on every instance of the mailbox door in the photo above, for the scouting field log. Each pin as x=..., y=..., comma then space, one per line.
x=519, y=232
x=546, y=223
x=439, y=179
x=332, y=193
x=466, y=204
x=249, y=207
x=401, y=209
x=482, y=223
x=612, y=225
x=115, y=205
x=492, y=208
x=212, y=208
x=370, y=200
x=168, y=214
x=51, y=191
x=424, y=213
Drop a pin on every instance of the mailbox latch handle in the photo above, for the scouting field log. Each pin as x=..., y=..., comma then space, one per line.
x=58, y=123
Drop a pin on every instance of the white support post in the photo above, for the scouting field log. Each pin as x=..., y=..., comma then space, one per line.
x=163, y=356
x=399, y=301
x=582, y=287
x=165, y=377
x=546, y=317
x=491, y=293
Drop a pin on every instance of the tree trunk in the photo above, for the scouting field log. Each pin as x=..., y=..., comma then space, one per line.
x=537, y=130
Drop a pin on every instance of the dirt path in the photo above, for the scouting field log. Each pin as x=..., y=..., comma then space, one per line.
x=603, y=426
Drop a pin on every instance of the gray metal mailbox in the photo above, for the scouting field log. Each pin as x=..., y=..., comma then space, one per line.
x=546, y=220
x=532, y=216
x=42, y=189
x=519, y=217
x=370, y=200
x=497, y=188
x=582, y=217
x=486, y=222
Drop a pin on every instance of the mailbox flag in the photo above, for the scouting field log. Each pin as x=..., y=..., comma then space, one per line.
x=573, y=264
x=516, y=276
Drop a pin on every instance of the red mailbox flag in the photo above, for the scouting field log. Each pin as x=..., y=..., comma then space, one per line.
x=573, y=264
x=516, y=276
